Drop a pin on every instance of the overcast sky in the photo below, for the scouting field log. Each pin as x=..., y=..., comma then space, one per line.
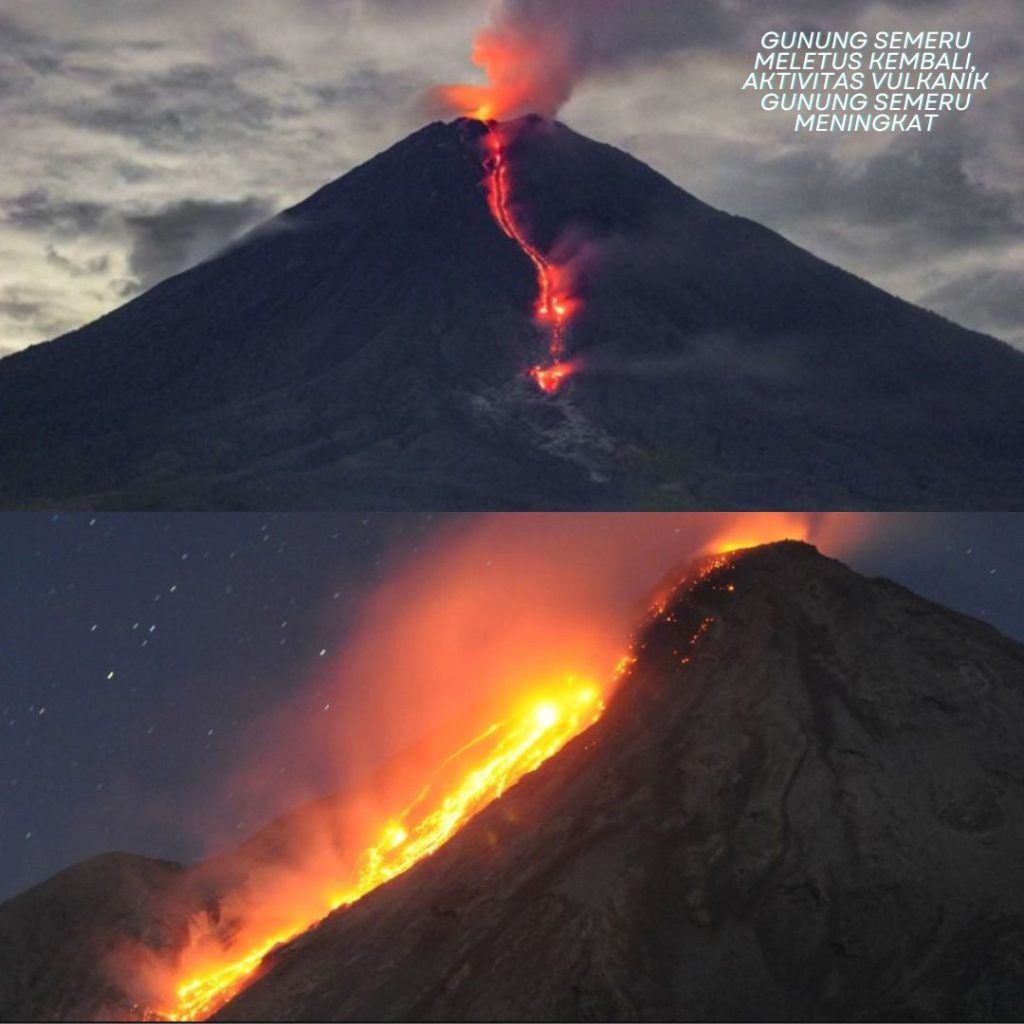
x=141, y=135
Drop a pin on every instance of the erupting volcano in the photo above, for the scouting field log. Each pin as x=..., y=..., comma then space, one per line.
x=547, y=654
x=530, y=69
x=367, y=349
x=209, y=975
x=801, y=802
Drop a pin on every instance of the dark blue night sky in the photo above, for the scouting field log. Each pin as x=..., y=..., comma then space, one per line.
x=134, y=646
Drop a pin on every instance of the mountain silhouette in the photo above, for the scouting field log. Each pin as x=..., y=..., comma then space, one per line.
x=367, y=349
x=805, y=801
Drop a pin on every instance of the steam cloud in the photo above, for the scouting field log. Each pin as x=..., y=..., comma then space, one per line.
x=535, y=52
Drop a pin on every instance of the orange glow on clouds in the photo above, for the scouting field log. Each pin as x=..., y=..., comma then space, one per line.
x=529, y=70
x=769, y=526
x=830, y=530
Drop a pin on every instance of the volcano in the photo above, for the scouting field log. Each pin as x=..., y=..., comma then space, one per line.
x=805, y=801
x=371, y=348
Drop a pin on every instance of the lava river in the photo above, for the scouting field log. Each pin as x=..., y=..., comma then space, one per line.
x=554, y=305
x=469, y=779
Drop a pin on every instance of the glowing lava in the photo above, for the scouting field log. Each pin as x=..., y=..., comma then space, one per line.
x=549, y=378
x=554, y=306
x=467, y=782
x=531, y=62
x=762, y=528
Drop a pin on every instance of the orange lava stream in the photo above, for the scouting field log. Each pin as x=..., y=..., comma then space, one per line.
x=554, y=306
x=488, y=766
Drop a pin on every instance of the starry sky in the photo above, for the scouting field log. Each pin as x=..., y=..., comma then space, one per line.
x=136, y=649
x=140, y=136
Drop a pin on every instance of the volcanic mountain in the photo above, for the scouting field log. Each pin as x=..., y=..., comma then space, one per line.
x=805, y=801
x=368, y=349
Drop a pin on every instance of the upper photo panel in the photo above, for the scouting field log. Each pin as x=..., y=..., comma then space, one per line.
x=452, y=255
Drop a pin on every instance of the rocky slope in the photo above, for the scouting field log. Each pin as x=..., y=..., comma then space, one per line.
x=366, y=349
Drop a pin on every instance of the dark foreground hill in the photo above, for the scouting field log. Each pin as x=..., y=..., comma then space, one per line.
x=815, y=810
x=366, y=349
x=56, y=938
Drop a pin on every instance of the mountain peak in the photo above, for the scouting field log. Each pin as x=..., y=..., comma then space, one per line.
x=372, y=347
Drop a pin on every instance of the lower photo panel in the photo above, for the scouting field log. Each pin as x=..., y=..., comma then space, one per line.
x=522, y=766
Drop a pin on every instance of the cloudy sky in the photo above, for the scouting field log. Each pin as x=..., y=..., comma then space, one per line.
x=142, y=135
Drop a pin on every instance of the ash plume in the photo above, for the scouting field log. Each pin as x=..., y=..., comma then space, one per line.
x=535, y=52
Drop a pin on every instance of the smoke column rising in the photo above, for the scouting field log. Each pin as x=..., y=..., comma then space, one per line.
x=531, y=64
x=534, y=53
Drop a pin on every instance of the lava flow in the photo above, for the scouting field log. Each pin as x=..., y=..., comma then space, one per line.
x=468, y=781
x=554, y=306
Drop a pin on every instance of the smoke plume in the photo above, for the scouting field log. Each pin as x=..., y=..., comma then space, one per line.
x=534, y=52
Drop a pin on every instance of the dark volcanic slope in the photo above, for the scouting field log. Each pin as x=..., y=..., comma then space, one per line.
x=55, y=938
x=820, y=816
x=366, y=349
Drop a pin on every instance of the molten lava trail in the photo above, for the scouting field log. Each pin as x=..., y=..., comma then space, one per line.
x=553, y=307
x=485, y=768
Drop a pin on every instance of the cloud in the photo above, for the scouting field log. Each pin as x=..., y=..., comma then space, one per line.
x=926, y=180
x=615, y=34
x=181, y=234
x=77, y=268
x=26, y=51
x=923, y=183
x=180, y=106
x=20, y=309
x=162, y=240
x=990, y=298
x=37, y=210
x=29, y=313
